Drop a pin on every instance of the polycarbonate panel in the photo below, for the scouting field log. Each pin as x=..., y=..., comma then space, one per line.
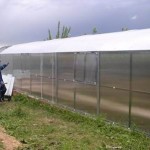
x=86, y=98
x=4, y=60
x=115, y=70
x=35, y=62
x=17, y=71
x=48, y=65
x=141, y=71
x=48, y=85
x=114, y=104
x=25, y=84
x=66, y=66
x=141, y=111
x=17, y=65
x=79, y=67
x=91, y=67
x=25, y=65
x=66, y=93
x=17, y=83
x=36, y=85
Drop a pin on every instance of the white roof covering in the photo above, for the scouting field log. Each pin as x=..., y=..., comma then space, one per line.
x=117, y=41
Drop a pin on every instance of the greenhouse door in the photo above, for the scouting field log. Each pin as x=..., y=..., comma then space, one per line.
x=85, y=77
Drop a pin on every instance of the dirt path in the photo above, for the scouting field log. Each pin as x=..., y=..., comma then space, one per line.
x=9, y=142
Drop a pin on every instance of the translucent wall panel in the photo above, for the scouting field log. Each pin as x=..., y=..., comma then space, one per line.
x=17, y=67
x=36, y=85
x=91, y=67
x=48, y=85
x=25, y=84
x=4, y=60
x=66, y=93
x=25, y=65
x=141, y=71
x=35, y=60
x=25, y=62
x=17, y=70
x=17, y=83
x=66, y=66
x=80, y=67
x=115, y=70
x=48, y=65
x=141, y=110
x=114, y=104
x=86, y=98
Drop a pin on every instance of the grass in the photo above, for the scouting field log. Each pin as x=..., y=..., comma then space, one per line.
x=1, y=146
x=41, y=126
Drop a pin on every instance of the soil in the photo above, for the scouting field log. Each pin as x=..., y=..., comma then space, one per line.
x=9, y=142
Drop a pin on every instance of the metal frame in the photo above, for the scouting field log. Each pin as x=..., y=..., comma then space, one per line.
x=98, y=84
x=130, y=94
x=41, y=73
x=56, y=76
x=74, y=77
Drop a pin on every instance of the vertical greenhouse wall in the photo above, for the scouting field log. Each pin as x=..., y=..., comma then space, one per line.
x=114, y=84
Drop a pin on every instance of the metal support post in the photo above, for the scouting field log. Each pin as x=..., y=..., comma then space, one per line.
x=41, y=74
x=74, y=84
x=56, y=77
x=130, y=94
x=30, y=71
x=98, y=83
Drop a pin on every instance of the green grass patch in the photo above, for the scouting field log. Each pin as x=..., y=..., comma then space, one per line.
x=42, y=126
x=1, y=146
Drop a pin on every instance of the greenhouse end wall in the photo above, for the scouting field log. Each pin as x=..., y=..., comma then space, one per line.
x=113, y=84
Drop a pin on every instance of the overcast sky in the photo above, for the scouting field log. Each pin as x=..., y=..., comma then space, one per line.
x=29, y=20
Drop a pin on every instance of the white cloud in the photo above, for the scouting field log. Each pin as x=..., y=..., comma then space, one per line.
x=134, y=17
x=29, y=20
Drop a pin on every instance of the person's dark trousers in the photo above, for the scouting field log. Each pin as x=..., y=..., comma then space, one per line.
x=2, y=91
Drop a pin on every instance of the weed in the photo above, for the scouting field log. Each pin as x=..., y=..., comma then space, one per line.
x=1, y=146
x=19, y=112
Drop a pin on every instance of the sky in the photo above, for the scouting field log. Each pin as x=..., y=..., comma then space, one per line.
x=24, y=21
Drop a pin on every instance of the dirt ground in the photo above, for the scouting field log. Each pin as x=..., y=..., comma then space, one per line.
x=9, y=142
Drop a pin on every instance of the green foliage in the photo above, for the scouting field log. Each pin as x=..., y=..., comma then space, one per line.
x=19, y=112
x=65, y=32
x=49, y=35
x=1, y=146
x=94, y=30
x=58, y=31
x=60, y=34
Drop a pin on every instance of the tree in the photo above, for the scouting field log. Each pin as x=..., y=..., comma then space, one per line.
x=49, y=35
x=124, y=29
x=58, y=31
x=64, y=34
x=94, y=30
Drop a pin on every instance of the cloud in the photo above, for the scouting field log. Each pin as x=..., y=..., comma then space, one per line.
x=134, y=17
x=29, y=20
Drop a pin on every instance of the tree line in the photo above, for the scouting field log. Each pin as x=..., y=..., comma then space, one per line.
x=65, y=32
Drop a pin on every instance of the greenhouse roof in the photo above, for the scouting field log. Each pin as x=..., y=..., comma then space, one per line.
x=117, y=41
x=3, y=47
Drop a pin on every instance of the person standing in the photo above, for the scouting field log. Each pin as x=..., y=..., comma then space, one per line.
x=2, y=84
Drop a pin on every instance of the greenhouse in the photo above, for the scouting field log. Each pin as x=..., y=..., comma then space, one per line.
x=107, y=74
